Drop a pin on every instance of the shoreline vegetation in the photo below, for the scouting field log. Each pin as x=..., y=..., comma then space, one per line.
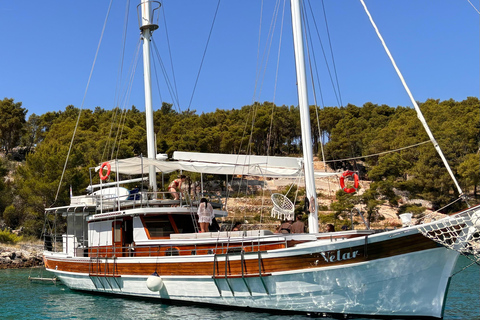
x=399, y=171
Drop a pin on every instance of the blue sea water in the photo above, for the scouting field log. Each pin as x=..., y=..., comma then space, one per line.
x=22, y=299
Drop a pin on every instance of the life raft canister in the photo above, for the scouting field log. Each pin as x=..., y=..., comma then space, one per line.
x=109, y=169
x=346, y=174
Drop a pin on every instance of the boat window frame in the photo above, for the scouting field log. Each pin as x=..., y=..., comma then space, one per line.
x=170, y=219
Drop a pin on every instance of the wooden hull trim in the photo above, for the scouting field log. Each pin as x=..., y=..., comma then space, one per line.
x=305, y=256
x=382, y=287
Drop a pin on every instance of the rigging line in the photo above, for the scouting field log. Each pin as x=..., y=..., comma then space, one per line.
x=337, y=94
x=126, y=98
x=204, y=54
x=473, y=6
x=119, y=80
x=380, y=153
x=258, y=51
x=83, y=101
x=156, y=79
x=276, y=80
x=122, y=101
x=415, y=105
x=466, y=267
x=266, y=52
x=316, y=69
x=313, y=82
x=314, y=92
x=331, y=52
x=307, y=37
x=124, y=43
x=118, y=136
x=170, y=54
x=121, y=125
x=171, y=90
x=259, y=63
x=255, y=106
x=107, y=143
x=448, y=205
x=279, y=49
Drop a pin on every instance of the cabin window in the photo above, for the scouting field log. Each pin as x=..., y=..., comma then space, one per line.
x=172, y=252
x=184, y=223
x=118, y=232
x=158, y=226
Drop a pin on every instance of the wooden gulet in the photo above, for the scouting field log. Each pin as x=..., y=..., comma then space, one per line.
x=142, y=244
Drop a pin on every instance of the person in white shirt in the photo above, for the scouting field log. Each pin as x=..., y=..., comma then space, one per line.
x=205, y=215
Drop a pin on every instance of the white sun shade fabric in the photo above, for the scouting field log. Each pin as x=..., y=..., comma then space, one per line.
x=215, y=163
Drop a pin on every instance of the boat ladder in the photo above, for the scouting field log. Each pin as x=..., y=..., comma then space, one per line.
x=99, y=269
x=217, y=276
x=194, y=219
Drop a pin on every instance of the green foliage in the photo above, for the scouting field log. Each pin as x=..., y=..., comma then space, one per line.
x=12, y=217
x=327, y=218
x=5, y=196
x=469, y=170
x=416, y=210
x=12, y=120
x=370, y=199
x=261, y=128
x=9, y=238
x=345, y=202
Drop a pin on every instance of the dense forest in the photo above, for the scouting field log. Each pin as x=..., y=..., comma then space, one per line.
x=34, y=149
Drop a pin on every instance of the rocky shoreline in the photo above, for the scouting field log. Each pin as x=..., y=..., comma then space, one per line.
x=21, y=256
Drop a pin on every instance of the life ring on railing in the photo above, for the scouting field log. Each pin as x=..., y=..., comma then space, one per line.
x=346, y=174
x=109, y=169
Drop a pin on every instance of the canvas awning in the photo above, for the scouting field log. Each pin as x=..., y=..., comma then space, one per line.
x=216, y=163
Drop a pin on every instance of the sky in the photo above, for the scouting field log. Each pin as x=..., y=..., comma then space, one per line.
x=48, y=48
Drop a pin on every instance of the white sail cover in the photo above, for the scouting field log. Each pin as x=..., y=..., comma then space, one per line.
x=216, y=163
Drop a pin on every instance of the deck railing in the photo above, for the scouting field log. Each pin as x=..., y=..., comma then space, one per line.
x=226, y=246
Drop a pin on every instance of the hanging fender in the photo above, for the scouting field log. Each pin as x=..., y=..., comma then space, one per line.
x=346, y=174
x=109, y=169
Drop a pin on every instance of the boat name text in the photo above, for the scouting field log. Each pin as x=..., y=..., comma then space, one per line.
x=332, y=256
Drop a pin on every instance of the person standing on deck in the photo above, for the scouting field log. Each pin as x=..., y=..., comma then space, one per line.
x=175, y=186
x=205, y=215
x=298, y=226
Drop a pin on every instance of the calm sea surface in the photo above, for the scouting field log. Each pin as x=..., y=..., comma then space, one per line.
x=20, y=299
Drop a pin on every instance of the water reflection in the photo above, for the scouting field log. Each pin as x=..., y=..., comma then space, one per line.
x=21, y=299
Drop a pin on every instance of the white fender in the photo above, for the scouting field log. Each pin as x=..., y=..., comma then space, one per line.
x=154, y=283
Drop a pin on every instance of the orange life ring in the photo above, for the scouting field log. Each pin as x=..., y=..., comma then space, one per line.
x=349, y=173
x=109, y=169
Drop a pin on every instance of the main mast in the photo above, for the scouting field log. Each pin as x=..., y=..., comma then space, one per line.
x=311, y=193
x=147, y=26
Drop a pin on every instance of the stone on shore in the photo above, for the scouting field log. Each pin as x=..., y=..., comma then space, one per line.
x=21, y=256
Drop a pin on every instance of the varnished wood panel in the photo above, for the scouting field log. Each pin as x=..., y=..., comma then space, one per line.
x=367, y=252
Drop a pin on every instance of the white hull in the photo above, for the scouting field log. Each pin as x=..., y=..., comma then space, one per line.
x=412, y=284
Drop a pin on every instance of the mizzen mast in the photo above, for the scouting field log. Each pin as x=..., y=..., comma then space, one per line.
x=311, y=193
x=147, y=26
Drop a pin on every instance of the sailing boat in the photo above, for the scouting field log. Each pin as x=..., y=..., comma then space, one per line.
x=140, y=245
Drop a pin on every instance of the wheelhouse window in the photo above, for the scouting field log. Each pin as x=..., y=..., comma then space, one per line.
x=184, y=223
x=158, y=226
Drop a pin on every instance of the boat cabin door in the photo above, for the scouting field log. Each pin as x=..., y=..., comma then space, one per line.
x=122, y=237
x=118, y=238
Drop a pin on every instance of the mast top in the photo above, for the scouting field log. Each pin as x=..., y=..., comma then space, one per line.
x=147, y=20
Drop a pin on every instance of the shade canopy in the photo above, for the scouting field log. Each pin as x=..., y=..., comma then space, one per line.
x=216, y=163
